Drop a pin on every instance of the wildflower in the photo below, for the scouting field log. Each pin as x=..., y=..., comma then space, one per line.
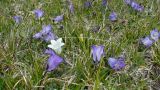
x=87, y=4
x=46, y=34
x=116, y=63
x=37, y=35
x=147, y=41
x=53, y=61
x=104, y=2
x=17, y=19
x=46, y=29
x=58, y=19
x=38, y=13
x=113, y=16
x=97, y=52
x=136, y=6
x=56, y=45
x=155, y=34
x=71, y=8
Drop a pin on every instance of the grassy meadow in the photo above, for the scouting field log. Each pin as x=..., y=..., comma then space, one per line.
x=22, y=58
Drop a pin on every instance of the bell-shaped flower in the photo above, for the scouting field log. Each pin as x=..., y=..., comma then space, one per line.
x=71, y=8
x=58, y=19
x=53, y=61
x=136, y=6
x=38, y=13
x=17, y=19
x=116, y=63
x=155, y=34
x=56, y=45
x=97, y=52
x=147, y=41
x=113, y=16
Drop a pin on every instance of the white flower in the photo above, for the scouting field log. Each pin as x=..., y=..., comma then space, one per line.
x=56, y=45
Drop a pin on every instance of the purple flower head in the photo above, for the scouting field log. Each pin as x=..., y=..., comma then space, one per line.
x=154, y=34
x=147, y=41
x=53, y=61
x=97, y=52
x=87, y=4
x=113, y=16
x=46, y=29
x=58, y=19
x=17, y=19
x=71, y=8
x=116, y=64
x=128, y=2
x=38, y=13
x=104, y=2
x=136, y=6
x=46, y=34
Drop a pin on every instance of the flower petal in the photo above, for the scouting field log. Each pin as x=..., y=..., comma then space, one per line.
x=112, y=61
x=113, y=16
x=155, y=34
x=53, y=62
x=97, y=52
x=147, y=41
x=58, y=19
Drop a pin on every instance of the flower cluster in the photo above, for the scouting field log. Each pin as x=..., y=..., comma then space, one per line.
x=45, y=34
x=115, y=63
x=149, y=40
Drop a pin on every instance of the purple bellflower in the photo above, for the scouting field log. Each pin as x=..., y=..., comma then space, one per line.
x=53, y=61
x=155, y=34
x=46, y=34
x=38, y=13
x=116, y=63
x=17, y=19
x=58, y=19
x=104, y=2
x=136, y=6
x=147, y=41
x=97, y=52
x=71, y=8
x=113, y=16
x=87, y=4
